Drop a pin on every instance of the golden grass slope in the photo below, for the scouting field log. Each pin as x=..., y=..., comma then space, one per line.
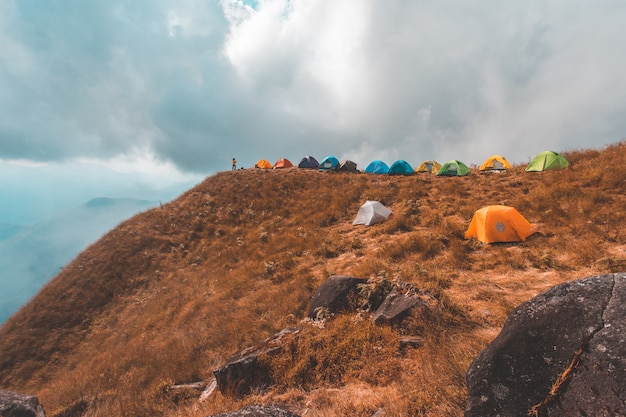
x=167, y=296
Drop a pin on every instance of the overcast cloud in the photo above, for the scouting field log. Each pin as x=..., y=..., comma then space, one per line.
x=193, y=83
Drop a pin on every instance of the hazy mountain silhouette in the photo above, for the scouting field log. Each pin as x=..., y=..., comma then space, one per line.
x=31, y=255
x=9, y=230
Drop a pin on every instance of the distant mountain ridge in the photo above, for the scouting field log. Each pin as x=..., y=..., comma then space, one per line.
x=8, y=230
x=31, y=255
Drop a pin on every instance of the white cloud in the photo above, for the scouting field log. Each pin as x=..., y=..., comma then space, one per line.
x=144, y=165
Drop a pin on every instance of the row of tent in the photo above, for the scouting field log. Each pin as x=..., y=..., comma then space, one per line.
x=490, y=224
x=546, y=160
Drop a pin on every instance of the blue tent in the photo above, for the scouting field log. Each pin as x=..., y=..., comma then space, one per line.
x=377, y=167
x=308, y=162
x=400, y=167
x=330, y=162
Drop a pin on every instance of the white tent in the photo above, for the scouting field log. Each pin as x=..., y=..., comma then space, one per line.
x=371, y=212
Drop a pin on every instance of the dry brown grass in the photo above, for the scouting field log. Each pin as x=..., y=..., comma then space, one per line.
x=169, y=295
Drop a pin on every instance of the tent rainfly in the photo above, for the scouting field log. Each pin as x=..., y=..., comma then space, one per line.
x=347, y=166
x=377, y=167
x=263, y=164
x=453, y=168
x=400, y=167
x=428, y=166
x=308, y=162
x=283, y=163
x=495, y=163
x=371, y=212
x=547, y=160
x=498, y=223
x=330, y=162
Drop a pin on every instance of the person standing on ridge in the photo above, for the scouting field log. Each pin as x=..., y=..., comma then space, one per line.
x=234, y=166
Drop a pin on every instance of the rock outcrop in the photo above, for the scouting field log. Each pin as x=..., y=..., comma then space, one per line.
x=337, y=294
x=19, y=405
x=563, y=353
x=245, y=372
x=258, y=411
x=388, y=302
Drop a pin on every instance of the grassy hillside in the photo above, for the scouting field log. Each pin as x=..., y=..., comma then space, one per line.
x=169, y=295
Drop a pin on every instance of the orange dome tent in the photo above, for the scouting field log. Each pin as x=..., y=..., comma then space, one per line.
x=493, y=224
x=283, y=163
x=263, y=164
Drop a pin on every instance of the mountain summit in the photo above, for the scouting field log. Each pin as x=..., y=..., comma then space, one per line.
x=169, y=295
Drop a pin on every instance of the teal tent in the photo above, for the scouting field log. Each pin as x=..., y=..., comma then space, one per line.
x=330, y=162
x=377, y=167
x=400, y=167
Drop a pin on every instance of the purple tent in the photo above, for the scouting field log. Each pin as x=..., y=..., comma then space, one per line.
x=308, y=162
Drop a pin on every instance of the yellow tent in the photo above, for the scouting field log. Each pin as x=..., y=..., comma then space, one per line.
x=495, y=163
x=428, y=166
x=499, y=224
x=263, y=164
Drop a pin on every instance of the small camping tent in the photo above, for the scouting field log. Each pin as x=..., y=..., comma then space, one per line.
x=400, y=167
x=453, y=168
x=263, y=164
x=330, y=162
x=283, y=163
x=371, y=212
x=308, y=162
x=428, y=166
x=377, y=167
x=347, y=166
x=547, y=160
x=495, y=163
x=499, y=224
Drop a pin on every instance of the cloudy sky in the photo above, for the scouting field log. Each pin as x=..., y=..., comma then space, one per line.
x=165, y=92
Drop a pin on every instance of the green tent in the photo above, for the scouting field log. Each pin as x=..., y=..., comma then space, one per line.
x=453, y=168
x=547, y=160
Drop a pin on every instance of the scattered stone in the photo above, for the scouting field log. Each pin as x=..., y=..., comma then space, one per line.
x=208, y=390
x=398, y=304
x=244, y=372
x=411, y=341
x=191, y=385
x=19, y=405
x=259, y=411
x=562, y=353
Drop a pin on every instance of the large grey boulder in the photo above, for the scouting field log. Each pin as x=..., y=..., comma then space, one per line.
x=258, y=411
x=563, y=353
x=19, y=405
x=245, y=371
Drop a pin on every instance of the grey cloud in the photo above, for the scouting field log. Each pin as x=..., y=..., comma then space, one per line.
x=198, y=83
